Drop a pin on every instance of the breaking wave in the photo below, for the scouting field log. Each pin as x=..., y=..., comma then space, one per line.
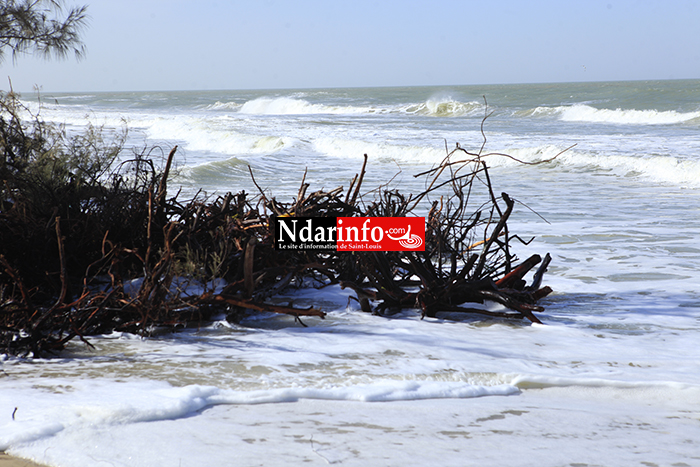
x=433, y=107
x=586, y=113
x=445, y=107
x=659, y=168
x=291, y=106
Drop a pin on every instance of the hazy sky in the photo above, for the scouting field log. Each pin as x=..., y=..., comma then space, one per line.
x=135, y=45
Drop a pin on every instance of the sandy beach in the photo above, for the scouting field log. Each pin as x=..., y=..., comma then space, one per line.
x=11, y=461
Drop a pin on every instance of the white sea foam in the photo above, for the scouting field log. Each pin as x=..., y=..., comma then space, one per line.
x=445, y=106
x=75, y=115
x=100, y=404
x=436, y=106
x=224, y=106
x=219, y=135
x=673, y=170
x=664, y=169
x=290, y=106
x=587, y=113
x=339, y=147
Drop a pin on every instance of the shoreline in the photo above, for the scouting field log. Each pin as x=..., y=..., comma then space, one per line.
x=7, y=460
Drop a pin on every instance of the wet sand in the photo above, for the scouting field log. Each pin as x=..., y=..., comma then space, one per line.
x=10, y=461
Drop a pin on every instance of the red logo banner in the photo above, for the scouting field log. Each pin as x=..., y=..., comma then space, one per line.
x=380, y=233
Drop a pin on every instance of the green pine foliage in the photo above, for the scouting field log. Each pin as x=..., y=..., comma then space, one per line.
x=40, y=27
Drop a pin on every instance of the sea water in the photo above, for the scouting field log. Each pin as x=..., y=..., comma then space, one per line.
x=611, y=378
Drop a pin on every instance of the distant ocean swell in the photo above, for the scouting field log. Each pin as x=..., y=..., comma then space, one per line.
x=432, y=107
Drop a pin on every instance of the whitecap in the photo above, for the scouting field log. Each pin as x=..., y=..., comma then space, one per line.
x=586, y=113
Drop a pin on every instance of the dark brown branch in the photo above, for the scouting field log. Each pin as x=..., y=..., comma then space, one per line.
x=163, y=187
x=537, y=278
x=62, y=262
x=359, y=183
x=248, y=267
x=517, y=274
x=496, y=232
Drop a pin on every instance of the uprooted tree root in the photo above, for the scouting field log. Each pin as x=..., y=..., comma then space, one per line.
x=468, y=259
x=112, y=257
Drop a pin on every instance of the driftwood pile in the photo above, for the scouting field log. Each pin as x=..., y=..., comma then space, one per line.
x=115, y=262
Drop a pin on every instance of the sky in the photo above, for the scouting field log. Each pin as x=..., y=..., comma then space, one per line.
x=164, y=45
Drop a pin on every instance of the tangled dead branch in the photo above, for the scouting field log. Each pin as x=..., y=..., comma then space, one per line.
x=128, y=259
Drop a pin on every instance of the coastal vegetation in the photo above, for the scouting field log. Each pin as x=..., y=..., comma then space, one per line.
x=41, y=27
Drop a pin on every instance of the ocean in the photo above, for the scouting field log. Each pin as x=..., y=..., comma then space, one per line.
x=611, y=378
